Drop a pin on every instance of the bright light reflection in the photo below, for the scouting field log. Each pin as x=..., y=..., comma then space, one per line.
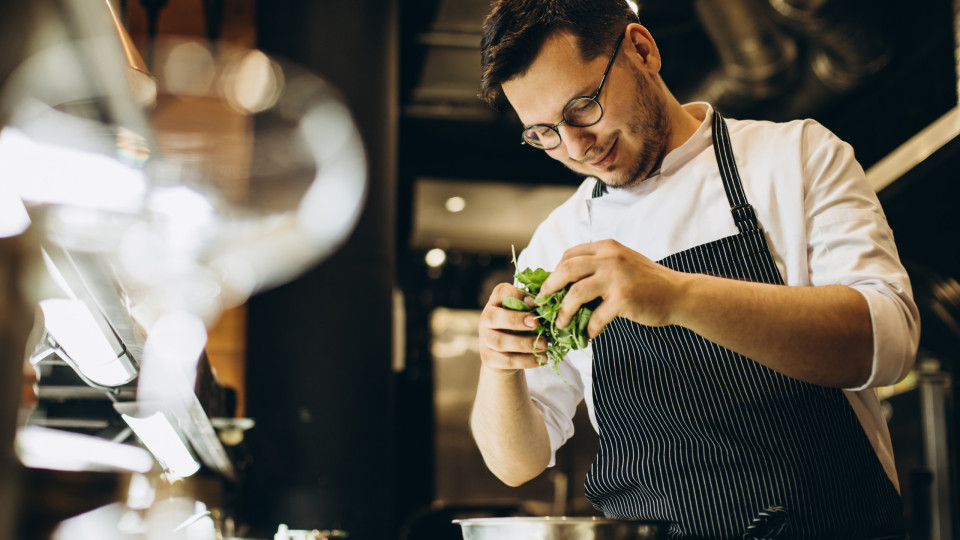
x=46, y=173
x=74, y=328
x=455, y=204
x=253, y=83
x=189, y=70
x=167, y=245
x=189, y=218
x=164, y=443
x=140, y=493
x=46, y=448
x=436, y=257
x=238, y=276
x=13, y=215
x=186, y=208
x=170, y=354
x=330, y=208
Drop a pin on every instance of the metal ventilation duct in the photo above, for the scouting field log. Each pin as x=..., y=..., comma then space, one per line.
x=758, y=59
x=758, y=43
x=846, y=46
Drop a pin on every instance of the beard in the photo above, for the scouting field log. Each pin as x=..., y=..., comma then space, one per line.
x=649, y=125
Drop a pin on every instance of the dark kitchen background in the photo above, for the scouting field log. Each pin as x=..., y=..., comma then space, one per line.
x=359, y=373
x=876, y=73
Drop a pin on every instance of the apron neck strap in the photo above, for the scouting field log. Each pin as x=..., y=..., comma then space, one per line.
x=599, y=188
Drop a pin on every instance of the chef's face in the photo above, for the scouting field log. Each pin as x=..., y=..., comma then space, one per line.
x=628, y=142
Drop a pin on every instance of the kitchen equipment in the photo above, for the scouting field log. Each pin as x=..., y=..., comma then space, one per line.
x=560, y=528
x=66, y=474
x=285, y=533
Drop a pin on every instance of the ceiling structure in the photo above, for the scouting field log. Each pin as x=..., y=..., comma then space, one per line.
x=874, y=72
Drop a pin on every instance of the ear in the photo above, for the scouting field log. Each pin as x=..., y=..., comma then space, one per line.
x=642, y=47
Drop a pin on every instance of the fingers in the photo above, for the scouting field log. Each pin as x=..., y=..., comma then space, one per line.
x=582, y=250
x=497, y=317
x=570, y=270
x=504, y=291
x=512, y=361
x=508, y=351
x=499, y=342
x=504, y=341
x=580, y=293
x=577, y=263
x=601, y=317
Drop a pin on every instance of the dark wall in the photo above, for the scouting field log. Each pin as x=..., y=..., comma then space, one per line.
x=19, y=18
x=319, y=374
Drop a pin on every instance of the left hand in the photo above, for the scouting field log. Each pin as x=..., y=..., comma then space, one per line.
x=630, y=285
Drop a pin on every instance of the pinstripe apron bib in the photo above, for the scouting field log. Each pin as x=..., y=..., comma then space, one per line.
x=722, y=446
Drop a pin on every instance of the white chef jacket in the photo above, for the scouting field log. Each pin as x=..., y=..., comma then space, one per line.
x=823, y=222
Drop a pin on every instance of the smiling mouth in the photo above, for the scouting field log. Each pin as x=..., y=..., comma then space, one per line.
x=608, y=158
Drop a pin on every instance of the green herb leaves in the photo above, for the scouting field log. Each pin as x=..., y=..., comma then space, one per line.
x=516, y=304
x=559, y=340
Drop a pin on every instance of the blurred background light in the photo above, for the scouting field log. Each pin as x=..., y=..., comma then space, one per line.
x=455, y=204
x=435, y=257
x=189, y=70
x=252, y=83
x=53, y=174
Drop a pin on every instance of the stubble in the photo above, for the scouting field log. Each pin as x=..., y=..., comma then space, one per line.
x=650, y=126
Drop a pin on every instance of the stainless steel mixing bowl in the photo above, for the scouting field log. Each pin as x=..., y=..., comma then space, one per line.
x=560, y=528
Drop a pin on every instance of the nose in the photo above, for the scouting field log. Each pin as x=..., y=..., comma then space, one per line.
x=577, y=140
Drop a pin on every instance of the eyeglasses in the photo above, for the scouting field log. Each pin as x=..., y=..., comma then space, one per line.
x=583, y=111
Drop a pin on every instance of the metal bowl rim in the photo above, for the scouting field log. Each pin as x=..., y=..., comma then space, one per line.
x=555, y=520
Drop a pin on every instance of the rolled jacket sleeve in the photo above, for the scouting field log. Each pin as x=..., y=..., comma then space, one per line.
x=850, y=243
x=557, y=398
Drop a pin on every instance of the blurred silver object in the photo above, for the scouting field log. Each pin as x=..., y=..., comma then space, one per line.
x=934, y=386
x=285, y=533
x=560, y=528
x=249, y=172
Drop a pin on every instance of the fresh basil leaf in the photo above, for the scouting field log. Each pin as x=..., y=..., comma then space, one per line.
x=516, y=304
x=583, y=317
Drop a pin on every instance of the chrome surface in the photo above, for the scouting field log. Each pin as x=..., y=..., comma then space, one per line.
x=757, y=56
x=559, y=528
x=934, y=384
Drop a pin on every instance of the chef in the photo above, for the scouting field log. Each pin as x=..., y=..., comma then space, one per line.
x=751, y=297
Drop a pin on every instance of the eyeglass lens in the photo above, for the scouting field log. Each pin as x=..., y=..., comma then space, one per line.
x=581, y=112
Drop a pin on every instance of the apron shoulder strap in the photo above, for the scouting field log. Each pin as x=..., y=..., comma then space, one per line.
x=743, y=212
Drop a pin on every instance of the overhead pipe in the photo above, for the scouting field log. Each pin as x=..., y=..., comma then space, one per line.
x=758, y=59
x=846, y=48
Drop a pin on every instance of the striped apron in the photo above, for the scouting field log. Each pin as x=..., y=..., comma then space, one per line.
x=719, y=445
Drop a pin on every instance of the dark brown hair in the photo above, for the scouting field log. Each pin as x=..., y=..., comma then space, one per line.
x=515, y=30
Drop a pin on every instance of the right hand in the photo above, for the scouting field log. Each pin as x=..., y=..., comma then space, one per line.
x=502, y=346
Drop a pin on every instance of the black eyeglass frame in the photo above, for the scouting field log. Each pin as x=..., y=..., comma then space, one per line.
x=593, y=98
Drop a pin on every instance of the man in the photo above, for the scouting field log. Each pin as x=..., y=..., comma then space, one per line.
x=751, y=297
